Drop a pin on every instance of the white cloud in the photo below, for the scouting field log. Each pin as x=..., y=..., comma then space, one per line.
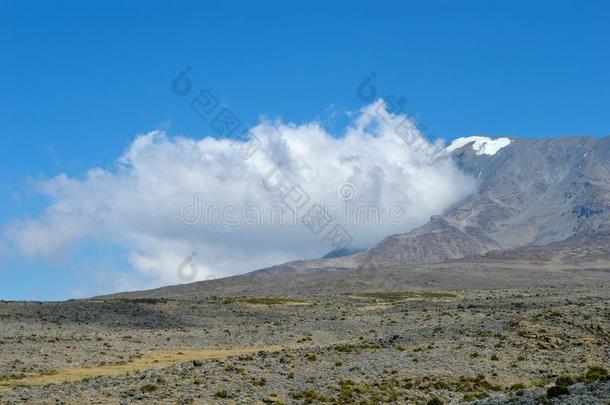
x=141, y=205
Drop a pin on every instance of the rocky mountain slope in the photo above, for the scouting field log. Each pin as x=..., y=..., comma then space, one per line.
x=531, y=192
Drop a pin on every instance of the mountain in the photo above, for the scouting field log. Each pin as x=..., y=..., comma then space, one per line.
x=531, y=192
x=541, y=204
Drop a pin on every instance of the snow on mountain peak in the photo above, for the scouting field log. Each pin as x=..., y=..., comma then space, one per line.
x=482, y=145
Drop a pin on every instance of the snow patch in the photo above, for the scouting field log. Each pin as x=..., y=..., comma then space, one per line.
x=482, y=145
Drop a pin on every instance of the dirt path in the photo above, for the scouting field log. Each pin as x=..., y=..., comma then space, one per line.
x=154, y=360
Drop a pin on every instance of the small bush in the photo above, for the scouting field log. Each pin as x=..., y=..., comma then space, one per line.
x=434, y=401
x=473, y=396
x=556, y=391
x=149, y=388
x=309, y=396
x=564, y=381
x=259, y=383
x=221, y=394
x=596, y=373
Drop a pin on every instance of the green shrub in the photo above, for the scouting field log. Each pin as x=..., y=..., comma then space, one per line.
x=311, y=357
x=564, y=381
x=148, y=388
x=221, y=394
x=434, y=401
x=473, y=396
x=556, y=391
x=596, y=373
x=259, y=383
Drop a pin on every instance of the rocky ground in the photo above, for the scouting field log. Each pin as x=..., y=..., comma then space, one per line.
x=530, y=345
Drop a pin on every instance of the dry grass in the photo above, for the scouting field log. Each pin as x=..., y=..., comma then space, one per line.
x=373, y=307
x=155, y=360
x=389, y=297
x=266, y=301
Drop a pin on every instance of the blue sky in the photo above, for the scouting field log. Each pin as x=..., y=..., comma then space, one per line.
x=79, y=81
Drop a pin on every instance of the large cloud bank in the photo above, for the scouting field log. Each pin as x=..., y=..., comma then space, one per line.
x=239, y=205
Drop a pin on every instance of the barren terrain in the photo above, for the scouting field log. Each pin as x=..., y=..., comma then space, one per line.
x=511, y=345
